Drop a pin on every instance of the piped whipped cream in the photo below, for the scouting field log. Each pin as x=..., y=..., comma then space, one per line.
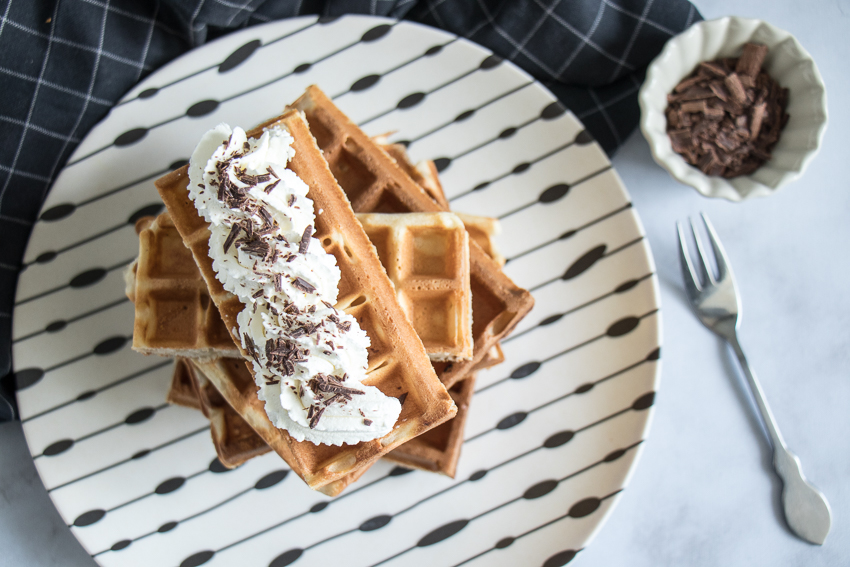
x=309, y=359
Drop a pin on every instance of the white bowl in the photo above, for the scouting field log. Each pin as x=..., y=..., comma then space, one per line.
x=786, y=61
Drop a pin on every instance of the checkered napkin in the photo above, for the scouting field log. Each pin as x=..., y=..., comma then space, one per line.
x=64, y=63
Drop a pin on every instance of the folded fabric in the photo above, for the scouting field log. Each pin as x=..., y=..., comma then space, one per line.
x=65, y=63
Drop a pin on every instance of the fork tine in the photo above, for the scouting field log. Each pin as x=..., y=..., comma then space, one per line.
x=707, y=271
x=690, y=277
x=719, y=253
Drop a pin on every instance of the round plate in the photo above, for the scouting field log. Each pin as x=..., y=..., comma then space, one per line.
x=552, y=433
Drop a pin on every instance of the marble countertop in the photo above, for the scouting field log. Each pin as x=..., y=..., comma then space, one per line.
x=703, y=493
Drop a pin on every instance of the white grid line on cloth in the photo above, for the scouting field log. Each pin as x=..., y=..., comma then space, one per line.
x=641, y=21
x=535, y=27
x=605, y=116
x=54, y=86
x=69, y=43
x=82, y=112
x=238, y=9
x=28, y=175
x=23, y=222
x=194, y=17
x=39, y=129
x=432, y=10
x=11, y=170
x=691, y=13
x=136, y=17
x=577, y=50
x=583, y=37
x=650, y=23
x=611, y=102
x=144, y=56
x=491, y=20
x=5, y=17
x=263, y=18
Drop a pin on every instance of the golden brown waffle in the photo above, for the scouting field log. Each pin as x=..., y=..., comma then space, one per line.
x=426, y=256
x=181, y=392
x=423, y=173
x=231, y=380
x=493, y=357
x=483, y=231
x=438, y=450
x=174, y=314
x=234, y=440
x=398, y=363
x=375, y=183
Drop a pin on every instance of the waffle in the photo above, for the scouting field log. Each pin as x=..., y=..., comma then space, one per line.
x=234, y=440
x=426, y=256
x=174, y=315
x=423, y=173
x=398, y=363
x=438, y=450
x=375, y=183
x=182, y=392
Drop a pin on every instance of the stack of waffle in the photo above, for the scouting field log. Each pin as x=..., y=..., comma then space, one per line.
x=438, y=288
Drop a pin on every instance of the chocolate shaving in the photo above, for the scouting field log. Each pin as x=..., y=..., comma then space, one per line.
x=256, y=294
x=234, y=232
x=278, y=282
x=291, y=200
x=726, y=117
x=367, y=422
x=314, y=421
x=303, y=286
x=271, y=172
x=270, y=187
x=305, y=239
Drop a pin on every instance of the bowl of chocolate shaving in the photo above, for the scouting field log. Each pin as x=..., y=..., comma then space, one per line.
x=734, y=107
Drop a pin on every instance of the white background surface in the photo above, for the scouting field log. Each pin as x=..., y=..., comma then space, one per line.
x=703, y=493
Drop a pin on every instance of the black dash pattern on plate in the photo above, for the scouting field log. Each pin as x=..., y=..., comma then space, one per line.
x=202, y=108
x=526, y=369
x=197, y=559
x=118, y=546
x=130, y=137
x=58, y=447
x=27, y=377
x=140, y=415
x=585, y=262
x=217, y=468
x=170, y=485
x=410, y=100
x=87, y=278
x=270, y=479
x=644, y=402
x=561, y=558
x=110, y=345
x=375, y=523
x=554, y=193
x=58, y=212
x=239, y=56
x=442, y=533
x=553, y=110
x=540, y=489
x=287, y=558
x=512, y=420
x=558, y=439
x=364, y=83
x=584, y=507
x=442, y=163
x=623, y=326
x=376, y=33
x=89, y=518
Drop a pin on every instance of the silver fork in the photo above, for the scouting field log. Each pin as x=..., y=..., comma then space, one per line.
x=718, y=305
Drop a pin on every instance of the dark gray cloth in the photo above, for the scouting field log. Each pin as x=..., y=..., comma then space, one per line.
x=64, y=64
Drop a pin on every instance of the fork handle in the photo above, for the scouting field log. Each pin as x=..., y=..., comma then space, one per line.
x=773, y=433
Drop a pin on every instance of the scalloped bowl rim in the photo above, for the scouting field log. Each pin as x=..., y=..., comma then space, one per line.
x=653, y=102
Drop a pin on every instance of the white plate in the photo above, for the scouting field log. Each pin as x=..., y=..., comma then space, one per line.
x=557, y=428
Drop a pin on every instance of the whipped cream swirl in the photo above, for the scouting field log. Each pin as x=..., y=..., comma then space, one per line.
x=309, y=359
